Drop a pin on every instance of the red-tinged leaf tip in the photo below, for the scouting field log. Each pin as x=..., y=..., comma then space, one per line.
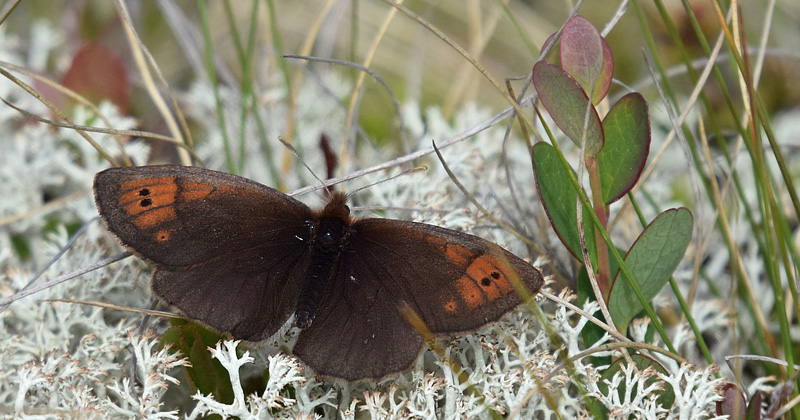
x=606, y=76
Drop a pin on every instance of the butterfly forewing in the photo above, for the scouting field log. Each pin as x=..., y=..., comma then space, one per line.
x=454, y=281
x=176, y=217
x=227, y=251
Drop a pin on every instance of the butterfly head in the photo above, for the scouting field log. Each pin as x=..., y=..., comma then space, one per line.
x=332, y=226
x=337, y=208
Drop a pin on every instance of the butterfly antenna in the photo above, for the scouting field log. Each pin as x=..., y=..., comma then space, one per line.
x=406, y=172
x=297, y=155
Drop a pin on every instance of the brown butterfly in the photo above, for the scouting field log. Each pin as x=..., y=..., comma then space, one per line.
x=243, y=258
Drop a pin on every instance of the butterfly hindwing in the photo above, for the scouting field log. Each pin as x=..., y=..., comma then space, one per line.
x=250, y=304
x=455, y=282
x=354, y=344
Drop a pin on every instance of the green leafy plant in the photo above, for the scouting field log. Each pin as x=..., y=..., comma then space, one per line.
x=614, y=152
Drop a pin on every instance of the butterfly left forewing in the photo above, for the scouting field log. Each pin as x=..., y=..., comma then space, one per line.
x=454, y=281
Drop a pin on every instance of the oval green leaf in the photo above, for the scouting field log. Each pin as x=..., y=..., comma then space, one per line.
x=652, y=259
x=559, y=201
x=627, y=133
x=206, y=373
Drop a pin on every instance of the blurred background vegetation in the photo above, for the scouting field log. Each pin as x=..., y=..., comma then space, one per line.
x=505, y=37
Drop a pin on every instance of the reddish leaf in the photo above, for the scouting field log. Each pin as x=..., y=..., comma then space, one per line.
x=606, y=75
x=733, y=403
x=754, y=406
x=98, y=73
x=553, y=56
x=331, y=160
x=567, y=104
x=582, y=52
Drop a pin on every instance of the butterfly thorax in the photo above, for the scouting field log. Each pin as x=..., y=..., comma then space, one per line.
x=329, y=234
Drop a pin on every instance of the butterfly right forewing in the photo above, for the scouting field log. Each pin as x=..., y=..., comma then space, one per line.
x=176, y=216
x=227, y=251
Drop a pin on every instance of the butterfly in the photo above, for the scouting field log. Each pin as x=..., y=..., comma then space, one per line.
x=243, y=258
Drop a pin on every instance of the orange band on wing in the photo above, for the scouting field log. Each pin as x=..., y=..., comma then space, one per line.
x=133, y=191
x=153, y=217
x=192, y=191
x=457, y=254
x=483, y=282
x=149, y=201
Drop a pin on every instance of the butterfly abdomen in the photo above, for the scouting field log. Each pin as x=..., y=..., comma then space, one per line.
x=329, y=235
